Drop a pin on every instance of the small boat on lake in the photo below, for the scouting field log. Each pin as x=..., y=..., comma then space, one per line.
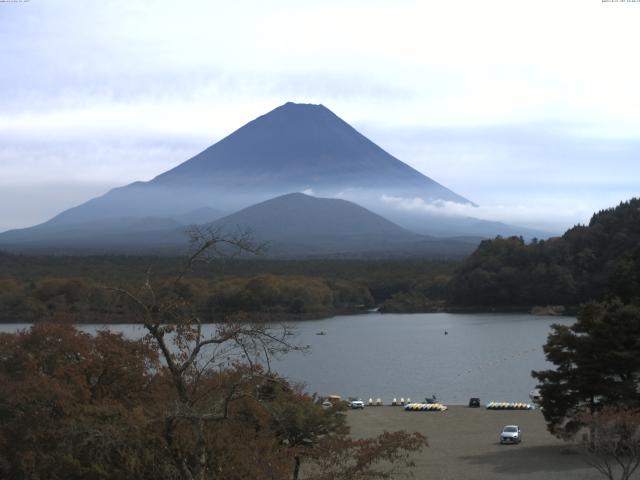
x=322, y=332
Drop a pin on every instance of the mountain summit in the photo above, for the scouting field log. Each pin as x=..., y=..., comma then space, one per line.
x=299, y=147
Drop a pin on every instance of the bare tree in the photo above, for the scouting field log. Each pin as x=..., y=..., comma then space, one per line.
x=612, y=445
x=191, y=351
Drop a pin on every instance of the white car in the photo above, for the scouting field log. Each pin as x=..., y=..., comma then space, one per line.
x=511, y=434
x=357, y=404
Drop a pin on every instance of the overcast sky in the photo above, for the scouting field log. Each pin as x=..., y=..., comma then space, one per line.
x=529, y=108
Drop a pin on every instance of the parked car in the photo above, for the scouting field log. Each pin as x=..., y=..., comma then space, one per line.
x=511, y=434
x=357, y=404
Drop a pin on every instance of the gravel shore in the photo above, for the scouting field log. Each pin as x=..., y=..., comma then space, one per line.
x=463, y=444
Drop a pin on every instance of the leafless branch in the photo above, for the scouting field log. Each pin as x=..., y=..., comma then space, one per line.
x=178, y=334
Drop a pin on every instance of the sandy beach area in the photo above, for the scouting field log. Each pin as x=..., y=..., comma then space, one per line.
x=463, y=444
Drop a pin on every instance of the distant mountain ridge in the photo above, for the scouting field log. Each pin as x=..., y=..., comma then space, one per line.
x=292, y=225
x=298, y=224
x=297, y=215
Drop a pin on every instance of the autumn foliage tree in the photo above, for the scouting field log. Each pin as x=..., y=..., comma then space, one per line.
x=612, y=445
x=387, y=456
x=188, y=401
x=78, y=406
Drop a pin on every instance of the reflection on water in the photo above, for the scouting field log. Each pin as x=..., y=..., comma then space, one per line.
x=408, y=355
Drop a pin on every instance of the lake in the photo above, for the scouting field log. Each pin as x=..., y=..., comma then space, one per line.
x=408, y=355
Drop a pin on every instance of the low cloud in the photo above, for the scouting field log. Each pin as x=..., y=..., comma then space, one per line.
x=437, y=206
x=548, y=216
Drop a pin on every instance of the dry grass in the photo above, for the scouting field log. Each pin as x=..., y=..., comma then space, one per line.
x=464, y=444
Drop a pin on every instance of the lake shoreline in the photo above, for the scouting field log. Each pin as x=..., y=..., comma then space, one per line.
x=536, y=310
x=539, y=311
x=251, y=316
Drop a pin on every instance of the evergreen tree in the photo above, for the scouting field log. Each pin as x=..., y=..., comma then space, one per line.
x=597, y=363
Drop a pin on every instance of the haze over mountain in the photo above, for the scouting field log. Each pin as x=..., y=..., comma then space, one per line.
x=293, y=148
x=292, y=225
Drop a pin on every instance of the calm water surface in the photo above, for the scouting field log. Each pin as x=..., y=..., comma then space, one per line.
x=408, y=355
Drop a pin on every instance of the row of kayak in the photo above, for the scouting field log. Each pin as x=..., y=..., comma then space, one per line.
x=509, y=406
x=422, y=407
x=438, y=407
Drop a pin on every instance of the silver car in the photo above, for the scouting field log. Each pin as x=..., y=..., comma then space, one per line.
x=511, y=434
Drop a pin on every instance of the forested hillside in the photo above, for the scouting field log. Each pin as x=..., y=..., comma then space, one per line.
x=589, y=262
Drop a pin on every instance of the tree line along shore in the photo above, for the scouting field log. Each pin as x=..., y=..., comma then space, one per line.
x=34, y=288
